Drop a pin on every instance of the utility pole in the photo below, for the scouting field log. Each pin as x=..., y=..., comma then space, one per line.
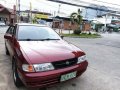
x=19, y=10
x=16, y=11
x=30, y=12
x=15, y=19
x=86, y=13
x=54, y=19
x=59, y=19
x=105, y=22
x=59, y=9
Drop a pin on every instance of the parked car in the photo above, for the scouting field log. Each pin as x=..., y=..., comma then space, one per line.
x=40, y=57
x=2, y=23
x=42, y=22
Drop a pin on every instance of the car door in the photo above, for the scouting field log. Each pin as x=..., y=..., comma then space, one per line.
x=11, y=32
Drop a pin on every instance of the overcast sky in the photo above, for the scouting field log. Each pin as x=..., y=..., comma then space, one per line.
x=47, y=6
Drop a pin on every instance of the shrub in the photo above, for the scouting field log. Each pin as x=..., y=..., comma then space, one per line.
x=77, y=31
x=89, y=33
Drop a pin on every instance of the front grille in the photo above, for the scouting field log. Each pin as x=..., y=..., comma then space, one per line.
x=44, y=83
x=65, y=63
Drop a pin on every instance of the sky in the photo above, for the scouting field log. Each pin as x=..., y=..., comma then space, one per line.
x=52, y=7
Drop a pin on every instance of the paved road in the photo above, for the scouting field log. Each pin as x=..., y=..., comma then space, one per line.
x=103, y=72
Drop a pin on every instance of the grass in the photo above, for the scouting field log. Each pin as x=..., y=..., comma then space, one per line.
x=83, y=35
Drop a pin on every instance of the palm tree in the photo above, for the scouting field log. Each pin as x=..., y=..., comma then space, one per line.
x=76, y=17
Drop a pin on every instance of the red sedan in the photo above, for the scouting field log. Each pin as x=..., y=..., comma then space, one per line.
x=40, y=57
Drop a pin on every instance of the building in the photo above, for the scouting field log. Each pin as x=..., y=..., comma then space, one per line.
x=7, y=15
x=33, y=15
x=65, y=23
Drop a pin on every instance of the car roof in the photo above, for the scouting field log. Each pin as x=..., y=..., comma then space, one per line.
x=30, y=24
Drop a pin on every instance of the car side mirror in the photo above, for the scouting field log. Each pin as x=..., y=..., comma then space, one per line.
x=62, y=36
x=7, y=37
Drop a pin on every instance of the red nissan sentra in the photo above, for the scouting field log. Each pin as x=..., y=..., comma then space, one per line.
x=40, y=57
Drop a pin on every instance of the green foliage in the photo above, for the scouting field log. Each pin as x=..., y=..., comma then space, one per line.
x=83, y=35
x=115, y=29
x=77, y=32
x=76, y=17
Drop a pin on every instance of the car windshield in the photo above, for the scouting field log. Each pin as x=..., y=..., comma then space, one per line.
x=28, y=33
x=42, y=22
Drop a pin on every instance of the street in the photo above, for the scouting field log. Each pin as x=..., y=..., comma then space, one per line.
x=103, y=73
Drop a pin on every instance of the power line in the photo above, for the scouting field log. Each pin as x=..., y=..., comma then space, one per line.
x=107, y=2
x=64, y=9
x=53, y=6
x=53, y=11
x=78, y=5
x=81, y=1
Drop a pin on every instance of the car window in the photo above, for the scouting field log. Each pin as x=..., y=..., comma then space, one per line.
x=36, y=32
x=8, y=30
x=11, y=30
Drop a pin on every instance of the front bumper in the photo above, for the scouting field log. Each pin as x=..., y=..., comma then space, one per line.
x=49, y=78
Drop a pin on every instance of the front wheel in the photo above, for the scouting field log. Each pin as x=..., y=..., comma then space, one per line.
x=17, y=81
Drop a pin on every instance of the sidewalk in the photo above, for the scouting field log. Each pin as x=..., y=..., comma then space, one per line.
x=64, y=31
x=71, y=31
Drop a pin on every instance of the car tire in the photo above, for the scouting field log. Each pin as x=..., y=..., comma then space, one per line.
x=18, y=83
x=6, y=51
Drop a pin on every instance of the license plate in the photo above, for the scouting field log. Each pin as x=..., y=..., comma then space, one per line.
x=68, y=76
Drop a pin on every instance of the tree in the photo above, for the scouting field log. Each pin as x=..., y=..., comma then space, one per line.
x=76, y=17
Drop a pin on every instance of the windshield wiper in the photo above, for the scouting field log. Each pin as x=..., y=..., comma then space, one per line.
x=28, y=39
x=49, y=39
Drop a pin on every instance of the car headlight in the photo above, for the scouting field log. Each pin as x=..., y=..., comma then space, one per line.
x=81, y=59
x=27, y=68
x=37, y=67
x=43, y=67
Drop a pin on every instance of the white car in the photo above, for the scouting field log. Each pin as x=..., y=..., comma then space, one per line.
x=2, y=23
x=42, y=22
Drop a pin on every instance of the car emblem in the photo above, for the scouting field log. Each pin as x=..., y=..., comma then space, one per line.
x=67, y=62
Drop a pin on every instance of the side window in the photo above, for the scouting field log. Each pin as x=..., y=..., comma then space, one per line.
x=8, y=31
x=11, y=30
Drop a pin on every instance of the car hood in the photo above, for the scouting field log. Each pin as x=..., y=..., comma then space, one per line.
x=48, y=51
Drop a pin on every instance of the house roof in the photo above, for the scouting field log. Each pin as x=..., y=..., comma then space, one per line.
x=36, y=12
x=67, y=18
x=3, y=9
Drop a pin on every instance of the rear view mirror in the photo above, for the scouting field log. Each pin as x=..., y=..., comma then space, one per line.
x=7, y=37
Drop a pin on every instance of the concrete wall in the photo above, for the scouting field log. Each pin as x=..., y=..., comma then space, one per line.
x=66, y=25
x=86, y=27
